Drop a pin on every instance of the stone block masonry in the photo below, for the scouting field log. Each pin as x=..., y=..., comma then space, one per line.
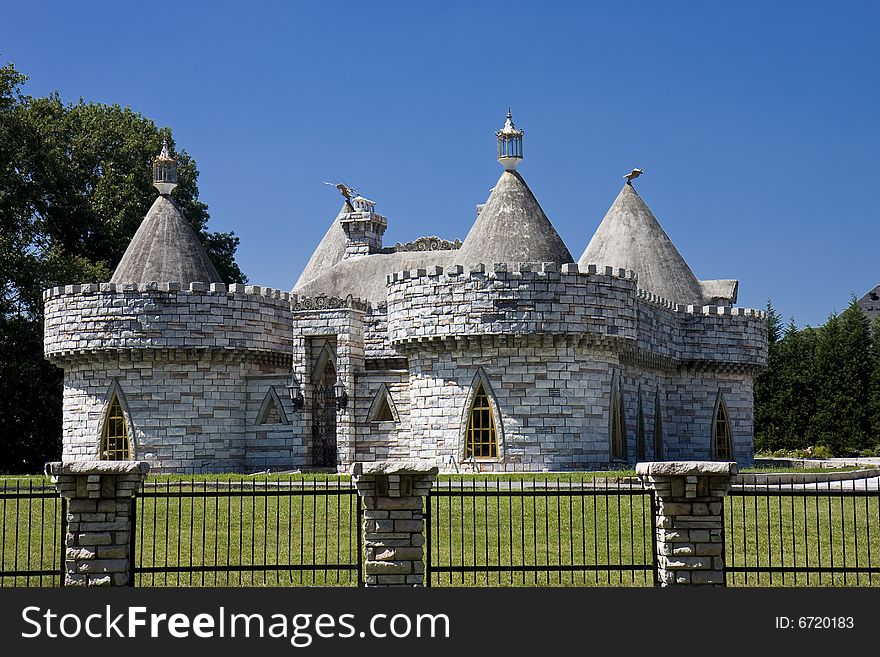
x=689, y=519
x=393, y=494
x=98, y=540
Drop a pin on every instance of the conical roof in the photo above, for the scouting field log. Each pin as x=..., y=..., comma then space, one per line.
x=165, y=249
x=331, y=249
x=512, y=227
x=630, y=237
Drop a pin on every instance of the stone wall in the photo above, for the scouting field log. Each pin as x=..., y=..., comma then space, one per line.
x=382, y=441
x=393, y=496
x=343, y=329
x=188, y=412
x=688, y=520
x=542, y=298
x=99, y=522
x=101, y=317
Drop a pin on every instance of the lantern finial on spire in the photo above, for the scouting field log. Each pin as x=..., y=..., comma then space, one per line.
x=510, y=144
x=164, y=170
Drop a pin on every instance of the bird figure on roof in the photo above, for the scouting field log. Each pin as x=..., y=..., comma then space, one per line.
x=345, y=190
x=632, y=175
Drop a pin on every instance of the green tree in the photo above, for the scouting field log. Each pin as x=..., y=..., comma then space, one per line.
x=874, y=397
x=785, y=393
x=843, y=371
x=75, y=184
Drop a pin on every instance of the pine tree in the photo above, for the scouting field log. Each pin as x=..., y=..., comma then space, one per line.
x=843, y=368
x=874, y=396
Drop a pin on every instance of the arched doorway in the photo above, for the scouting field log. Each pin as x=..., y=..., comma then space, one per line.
x=324, y=417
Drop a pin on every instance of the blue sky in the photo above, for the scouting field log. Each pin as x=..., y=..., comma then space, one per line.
x=756, y=122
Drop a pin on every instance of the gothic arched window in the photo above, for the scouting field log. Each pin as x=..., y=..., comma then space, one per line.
x=640, y=430
x=618, y=426
x=115, y=445
x=481, y=437
x=721, y=443
x=658, y=429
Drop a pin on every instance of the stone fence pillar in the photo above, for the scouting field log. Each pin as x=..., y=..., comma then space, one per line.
x=689, y=519
x=393, y=495
x=98, y=519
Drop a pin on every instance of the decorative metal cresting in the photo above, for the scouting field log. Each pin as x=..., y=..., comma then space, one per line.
x=510, y=144
x=164, y=171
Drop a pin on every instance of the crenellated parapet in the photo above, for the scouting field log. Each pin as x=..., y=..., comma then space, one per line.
x=510, y=298
x=598, y=302
x=105, y=317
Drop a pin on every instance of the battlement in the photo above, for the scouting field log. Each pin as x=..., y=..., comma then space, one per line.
x=731, y=311
x=97, y=317
x=515, y=270
x=544, y=298
x=235, y=289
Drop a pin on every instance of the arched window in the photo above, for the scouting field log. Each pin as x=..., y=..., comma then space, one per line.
x=382, y=409
x=721, y=443
x=618, y=426
x=271, y=411
x=658, y=429
x=115, y=444
x=640, y=430
x=481, y=437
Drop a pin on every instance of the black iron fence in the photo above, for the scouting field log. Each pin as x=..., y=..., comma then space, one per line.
x=539, y=531
x=813, y=534
x=293, y=531
x=32, y=530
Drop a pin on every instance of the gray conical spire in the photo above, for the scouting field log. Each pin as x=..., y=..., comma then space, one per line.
x=630, y=237
x=512, y=227
x=165, y=249
x=330, y=250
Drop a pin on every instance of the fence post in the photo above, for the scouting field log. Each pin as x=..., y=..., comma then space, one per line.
x=689, y=519
x=393, y=495
x=97, y=543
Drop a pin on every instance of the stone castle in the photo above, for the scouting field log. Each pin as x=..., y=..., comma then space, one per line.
x=496, y=353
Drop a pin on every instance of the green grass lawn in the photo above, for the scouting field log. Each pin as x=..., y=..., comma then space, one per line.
x=503, y=531
x=803, y=532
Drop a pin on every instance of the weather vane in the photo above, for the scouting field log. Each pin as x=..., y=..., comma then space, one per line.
x=632, y=175
x=345, y=190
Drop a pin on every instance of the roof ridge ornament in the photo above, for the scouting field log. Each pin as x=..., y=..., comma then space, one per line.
x=632, y=175
x=164, y=171
x=510, y=144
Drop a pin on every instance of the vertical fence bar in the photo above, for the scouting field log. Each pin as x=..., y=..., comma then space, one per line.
x=132, y=540
x=63, y=546
x=428, y=541
x=360, y=539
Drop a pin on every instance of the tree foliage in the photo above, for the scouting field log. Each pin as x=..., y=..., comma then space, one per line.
x=821, y=386
x=75, y=183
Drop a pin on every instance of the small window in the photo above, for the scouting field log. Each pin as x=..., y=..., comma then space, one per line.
x=481, y=440
x=658, y=429
x=271, y=411
x=384, y=413
x=618, y=426
x=382, y=409
x=721, y=430
x=640, y=431
x=114, y=438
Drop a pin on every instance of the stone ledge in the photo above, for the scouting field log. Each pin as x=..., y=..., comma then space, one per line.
x=394, y=468
x=685, y=468
x=97, y=467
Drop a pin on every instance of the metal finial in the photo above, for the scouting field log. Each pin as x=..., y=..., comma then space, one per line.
x=165, y=154
x=510, y=150
x=164, y=170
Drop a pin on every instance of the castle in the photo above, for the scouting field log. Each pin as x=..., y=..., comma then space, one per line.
x=496, y=353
